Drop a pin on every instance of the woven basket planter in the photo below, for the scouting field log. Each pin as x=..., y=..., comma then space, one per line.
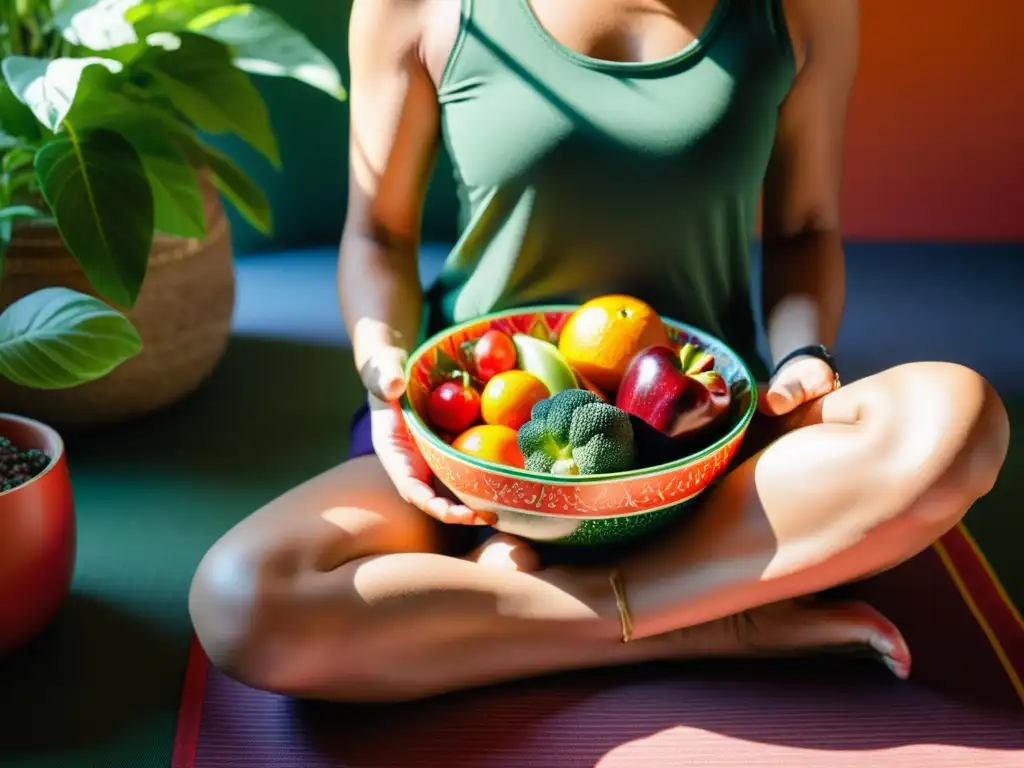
x=183, y=315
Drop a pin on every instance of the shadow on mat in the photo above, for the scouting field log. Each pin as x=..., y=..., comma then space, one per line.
x=578, y=719
x=84, y=681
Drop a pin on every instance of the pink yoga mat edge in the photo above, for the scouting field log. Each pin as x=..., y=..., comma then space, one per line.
x=190, y=711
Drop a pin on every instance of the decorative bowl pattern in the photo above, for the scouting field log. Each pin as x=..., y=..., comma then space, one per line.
x=581, y=510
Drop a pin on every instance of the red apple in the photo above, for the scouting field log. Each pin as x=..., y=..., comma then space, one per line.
x=677, y=394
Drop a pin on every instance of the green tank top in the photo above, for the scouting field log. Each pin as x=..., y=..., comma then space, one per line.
x=580, y=177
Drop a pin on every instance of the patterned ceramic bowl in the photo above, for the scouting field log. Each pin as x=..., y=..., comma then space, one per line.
x=578, y=510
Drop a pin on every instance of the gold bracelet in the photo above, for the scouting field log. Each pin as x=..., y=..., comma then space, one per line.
x=620, y=602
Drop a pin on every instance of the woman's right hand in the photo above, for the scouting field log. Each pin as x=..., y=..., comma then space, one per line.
x=384, y=378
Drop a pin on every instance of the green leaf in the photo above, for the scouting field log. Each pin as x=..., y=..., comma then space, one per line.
x=16, y=158
x=230, y=180
x=132, y=119
x=96, y=24
x=169, y=15
x=166, y=40
x=6, y=231
x=177, y=202
x=58, y=338
x=8, y=216
x=446, y=368
x=264, y=44
x=48, y=86
x=15, y=118
x=18, y=173
x=97, y=189
x=201, y=81
x=21, y=212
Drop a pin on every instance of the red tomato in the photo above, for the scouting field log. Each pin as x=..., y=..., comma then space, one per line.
x=454, y=406
x=493, y=353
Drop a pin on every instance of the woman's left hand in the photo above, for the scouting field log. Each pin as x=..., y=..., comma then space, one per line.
x=800, y=381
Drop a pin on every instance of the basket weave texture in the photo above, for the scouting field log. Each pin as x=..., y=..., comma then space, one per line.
x=183, y=315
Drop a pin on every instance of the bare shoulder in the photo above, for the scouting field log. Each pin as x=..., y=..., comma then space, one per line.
x=390, y=25
x=830, y=27
x=423, y=31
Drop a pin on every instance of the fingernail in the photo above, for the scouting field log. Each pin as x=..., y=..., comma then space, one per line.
x=900, y=670
x=482, y=520
x=884, y=645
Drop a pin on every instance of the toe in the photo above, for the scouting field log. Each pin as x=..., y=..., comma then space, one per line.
x=857, y=622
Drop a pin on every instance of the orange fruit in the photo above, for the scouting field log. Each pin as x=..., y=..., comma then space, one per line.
x=603, y=335
x=509, y=397
x=490, y=442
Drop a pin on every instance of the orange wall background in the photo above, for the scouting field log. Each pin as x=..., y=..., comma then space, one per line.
x=935, y=139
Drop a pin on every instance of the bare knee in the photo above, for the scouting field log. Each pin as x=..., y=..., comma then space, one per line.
x=225, y=601
x=269, y=602
x=947, y=436
x=249, y=604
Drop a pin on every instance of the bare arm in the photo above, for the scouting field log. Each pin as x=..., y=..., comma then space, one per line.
x=804, y=267
x=393, y=147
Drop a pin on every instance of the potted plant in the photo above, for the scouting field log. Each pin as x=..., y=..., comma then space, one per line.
x=37, y=529
x=109, y=190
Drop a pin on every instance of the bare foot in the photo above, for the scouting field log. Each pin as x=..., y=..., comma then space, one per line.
x=788, y=628
x=506, y=553
x=800, y=626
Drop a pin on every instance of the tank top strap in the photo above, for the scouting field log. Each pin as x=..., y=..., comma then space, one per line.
x=775, y=18
x=493, y=35
x=500, y=18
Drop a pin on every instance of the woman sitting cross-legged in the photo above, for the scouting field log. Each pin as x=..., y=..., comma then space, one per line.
x=600, y=147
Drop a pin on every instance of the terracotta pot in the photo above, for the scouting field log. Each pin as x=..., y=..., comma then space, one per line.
x=37, y=537
x=183, y=315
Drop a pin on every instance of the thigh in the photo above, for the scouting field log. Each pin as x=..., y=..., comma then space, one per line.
x=348, y=512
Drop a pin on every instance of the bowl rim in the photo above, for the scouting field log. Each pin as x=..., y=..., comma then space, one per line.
x=52, y=435
x=414, y=421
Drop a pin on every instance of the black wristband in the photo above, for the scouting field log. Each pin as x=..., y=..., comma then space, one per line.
x=819, y=351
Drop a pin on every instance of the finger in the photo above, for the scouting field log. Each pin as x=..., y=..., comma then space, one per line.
x=460, y=512
x=784, y=396
x=417, y=493
x=479, y=518
x=820, y=387
x=391, y=384
x=441, y=509
x=449, y=512
x=423, y=497
x=383, y=374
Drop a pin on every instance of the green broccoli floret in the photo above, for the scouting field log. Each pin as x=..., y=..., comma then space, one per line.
x=576, y=433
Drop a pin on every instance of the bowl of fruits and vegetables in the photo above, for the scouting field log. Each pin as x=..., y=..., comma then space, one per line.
x=578, y=425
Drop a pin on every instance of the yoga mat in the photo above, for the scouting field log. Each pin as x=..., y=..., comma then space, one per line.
x=963, y=707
